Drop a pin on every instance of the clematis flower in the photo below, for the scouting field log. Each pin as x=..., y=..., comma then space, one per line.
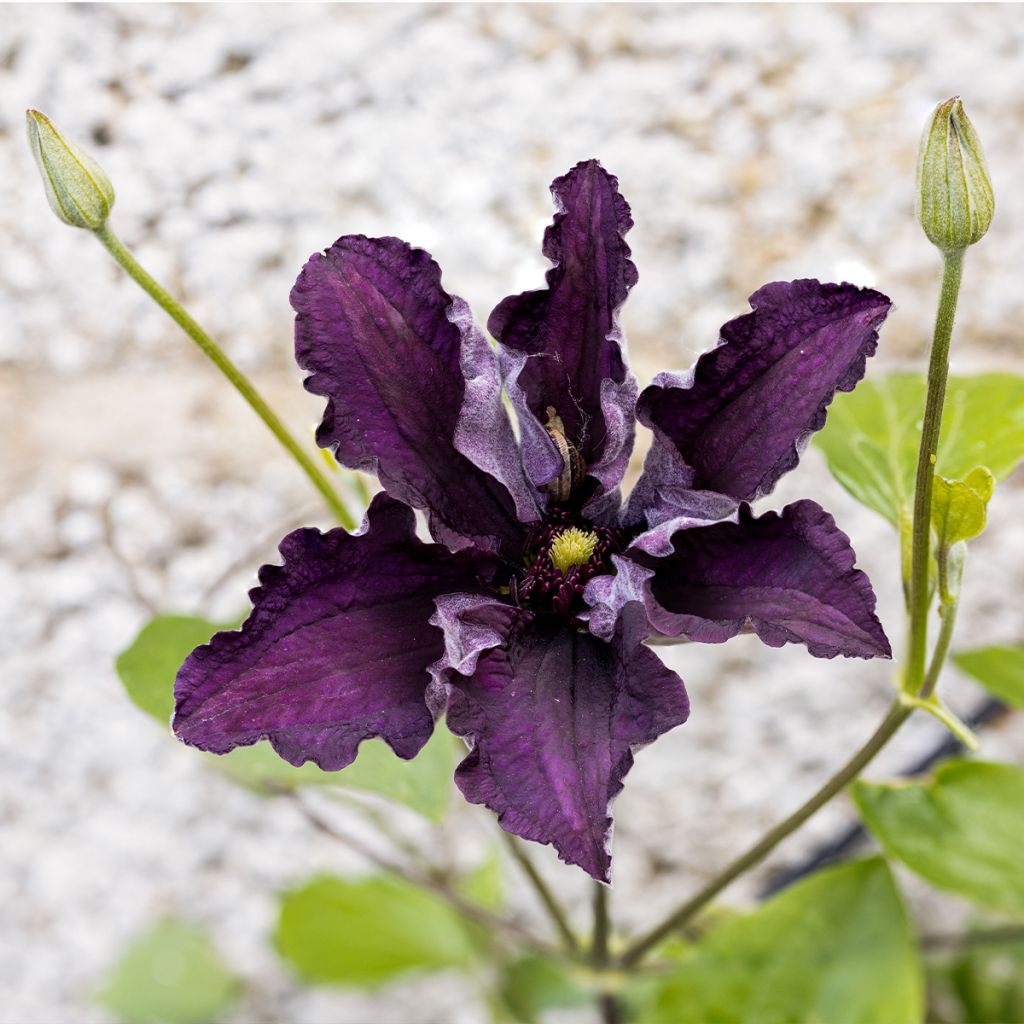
x=525, y=621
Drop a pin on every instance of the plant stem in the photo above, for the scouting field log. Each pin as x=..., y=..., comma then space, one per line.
x=608, y=1003
x=980, y=937
x=611, y=1008
x=638, y=949
x=602, y=927
x=920, y=545
x=215, y=353
x=546, y=896
x=938, y=661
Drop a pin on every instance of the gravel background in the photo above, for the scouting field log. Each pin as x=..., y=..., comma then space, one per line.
x=754, y=143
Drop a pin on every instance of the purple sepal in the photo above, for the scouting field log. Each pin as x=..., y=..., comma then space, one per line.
x=741, y=417
x=553, y=716
x=790, y=576
x=336, y=649
x=541, y=461
x=608, y=595
x=664, y=501
x=374, y=330
x=569, y=332
x=484, y=432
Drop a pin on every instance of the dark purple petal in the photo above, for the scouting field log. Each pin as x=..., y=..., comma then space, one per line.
x=336, y=649
x=607, y=596
x=553, y=716
x=564, y=342
x=472, y=623
x=791, y=576
x=413, y=388
x=740, y=418
x=664, y=501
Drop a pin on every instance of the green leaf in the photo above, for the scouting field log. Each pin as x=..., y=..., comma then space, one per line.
x=368, y=932
x=834, y=948
x=999, y=669
x=872, y=434
x=485, y=884
x=172, y=974
x=424, y=783
x=147, y=670
x=963, y=830
x=985, y=984
x=148, y=667
x=959, y=506
x=535, y=984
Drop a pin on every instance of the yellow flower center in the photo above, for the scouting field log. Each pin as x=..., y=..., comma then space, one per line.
x=572, y=547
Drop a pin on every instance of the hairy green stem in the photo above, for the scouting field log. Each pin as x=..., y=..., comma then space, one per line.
x=215, y=353
x=682, y=915
x=544, y=893
x=920, y=544
x=945, y=638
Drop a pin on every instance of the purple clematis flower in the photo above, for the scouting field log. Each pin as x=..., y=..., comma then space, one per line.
x=524, y=623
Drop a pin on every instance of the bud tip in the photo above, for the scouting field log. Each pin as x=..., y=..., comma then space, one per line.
x=77, y=189
x=955, y=201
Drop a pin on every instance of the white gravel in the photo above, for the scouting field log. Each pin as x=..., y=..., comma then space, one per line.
x=753, y=143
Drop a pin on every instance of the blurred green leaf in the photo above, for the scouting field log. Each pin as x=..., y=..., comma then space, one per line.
x=174, y=975
x=959, y=506
x=367, y=932
x=872, y=434
x=963, y=830
x=979, y=984
x=424, y=783
x=148, y=668
x=999, y=669
x=533, y=985
x=485, y=883
x=834, y=949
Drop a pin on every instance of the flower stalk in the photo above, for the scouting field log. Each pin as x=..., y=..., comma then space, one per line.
x=544, y=894
x=684, y=914
x=126, y=259
x=920, y=544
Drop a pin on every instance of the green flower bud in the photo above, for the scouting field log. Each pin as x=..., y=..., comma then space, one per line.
x=77, y=189
x=954, y=193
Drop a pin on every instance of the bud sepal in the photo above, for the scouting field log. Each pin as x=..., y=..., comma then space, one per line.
x=955, y=201
x=77, y=188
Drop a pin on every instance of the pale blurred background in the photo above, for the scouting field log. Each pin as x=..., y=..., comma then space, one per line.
x=754, y=143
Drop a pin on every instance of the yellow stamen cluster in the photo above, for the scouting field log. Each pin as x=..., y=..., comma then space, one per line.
x=572, y=547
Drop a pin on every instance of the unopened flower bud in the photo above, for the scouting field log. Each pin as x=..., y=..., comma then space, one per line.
x=954, y=193
x=77, y=188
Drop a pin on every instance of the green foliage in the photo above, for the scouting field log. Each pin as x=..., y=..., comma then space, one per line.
x=873, y=433
x=533, y=985
x=148, y=667
x=147, y=670
x=963, y=830
x=485, y=884
x=980, y=984
x=368, y=932
x=172, y=975
x=959, y=506
x=424, y=784
x=836, y=947
x=999, y=669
